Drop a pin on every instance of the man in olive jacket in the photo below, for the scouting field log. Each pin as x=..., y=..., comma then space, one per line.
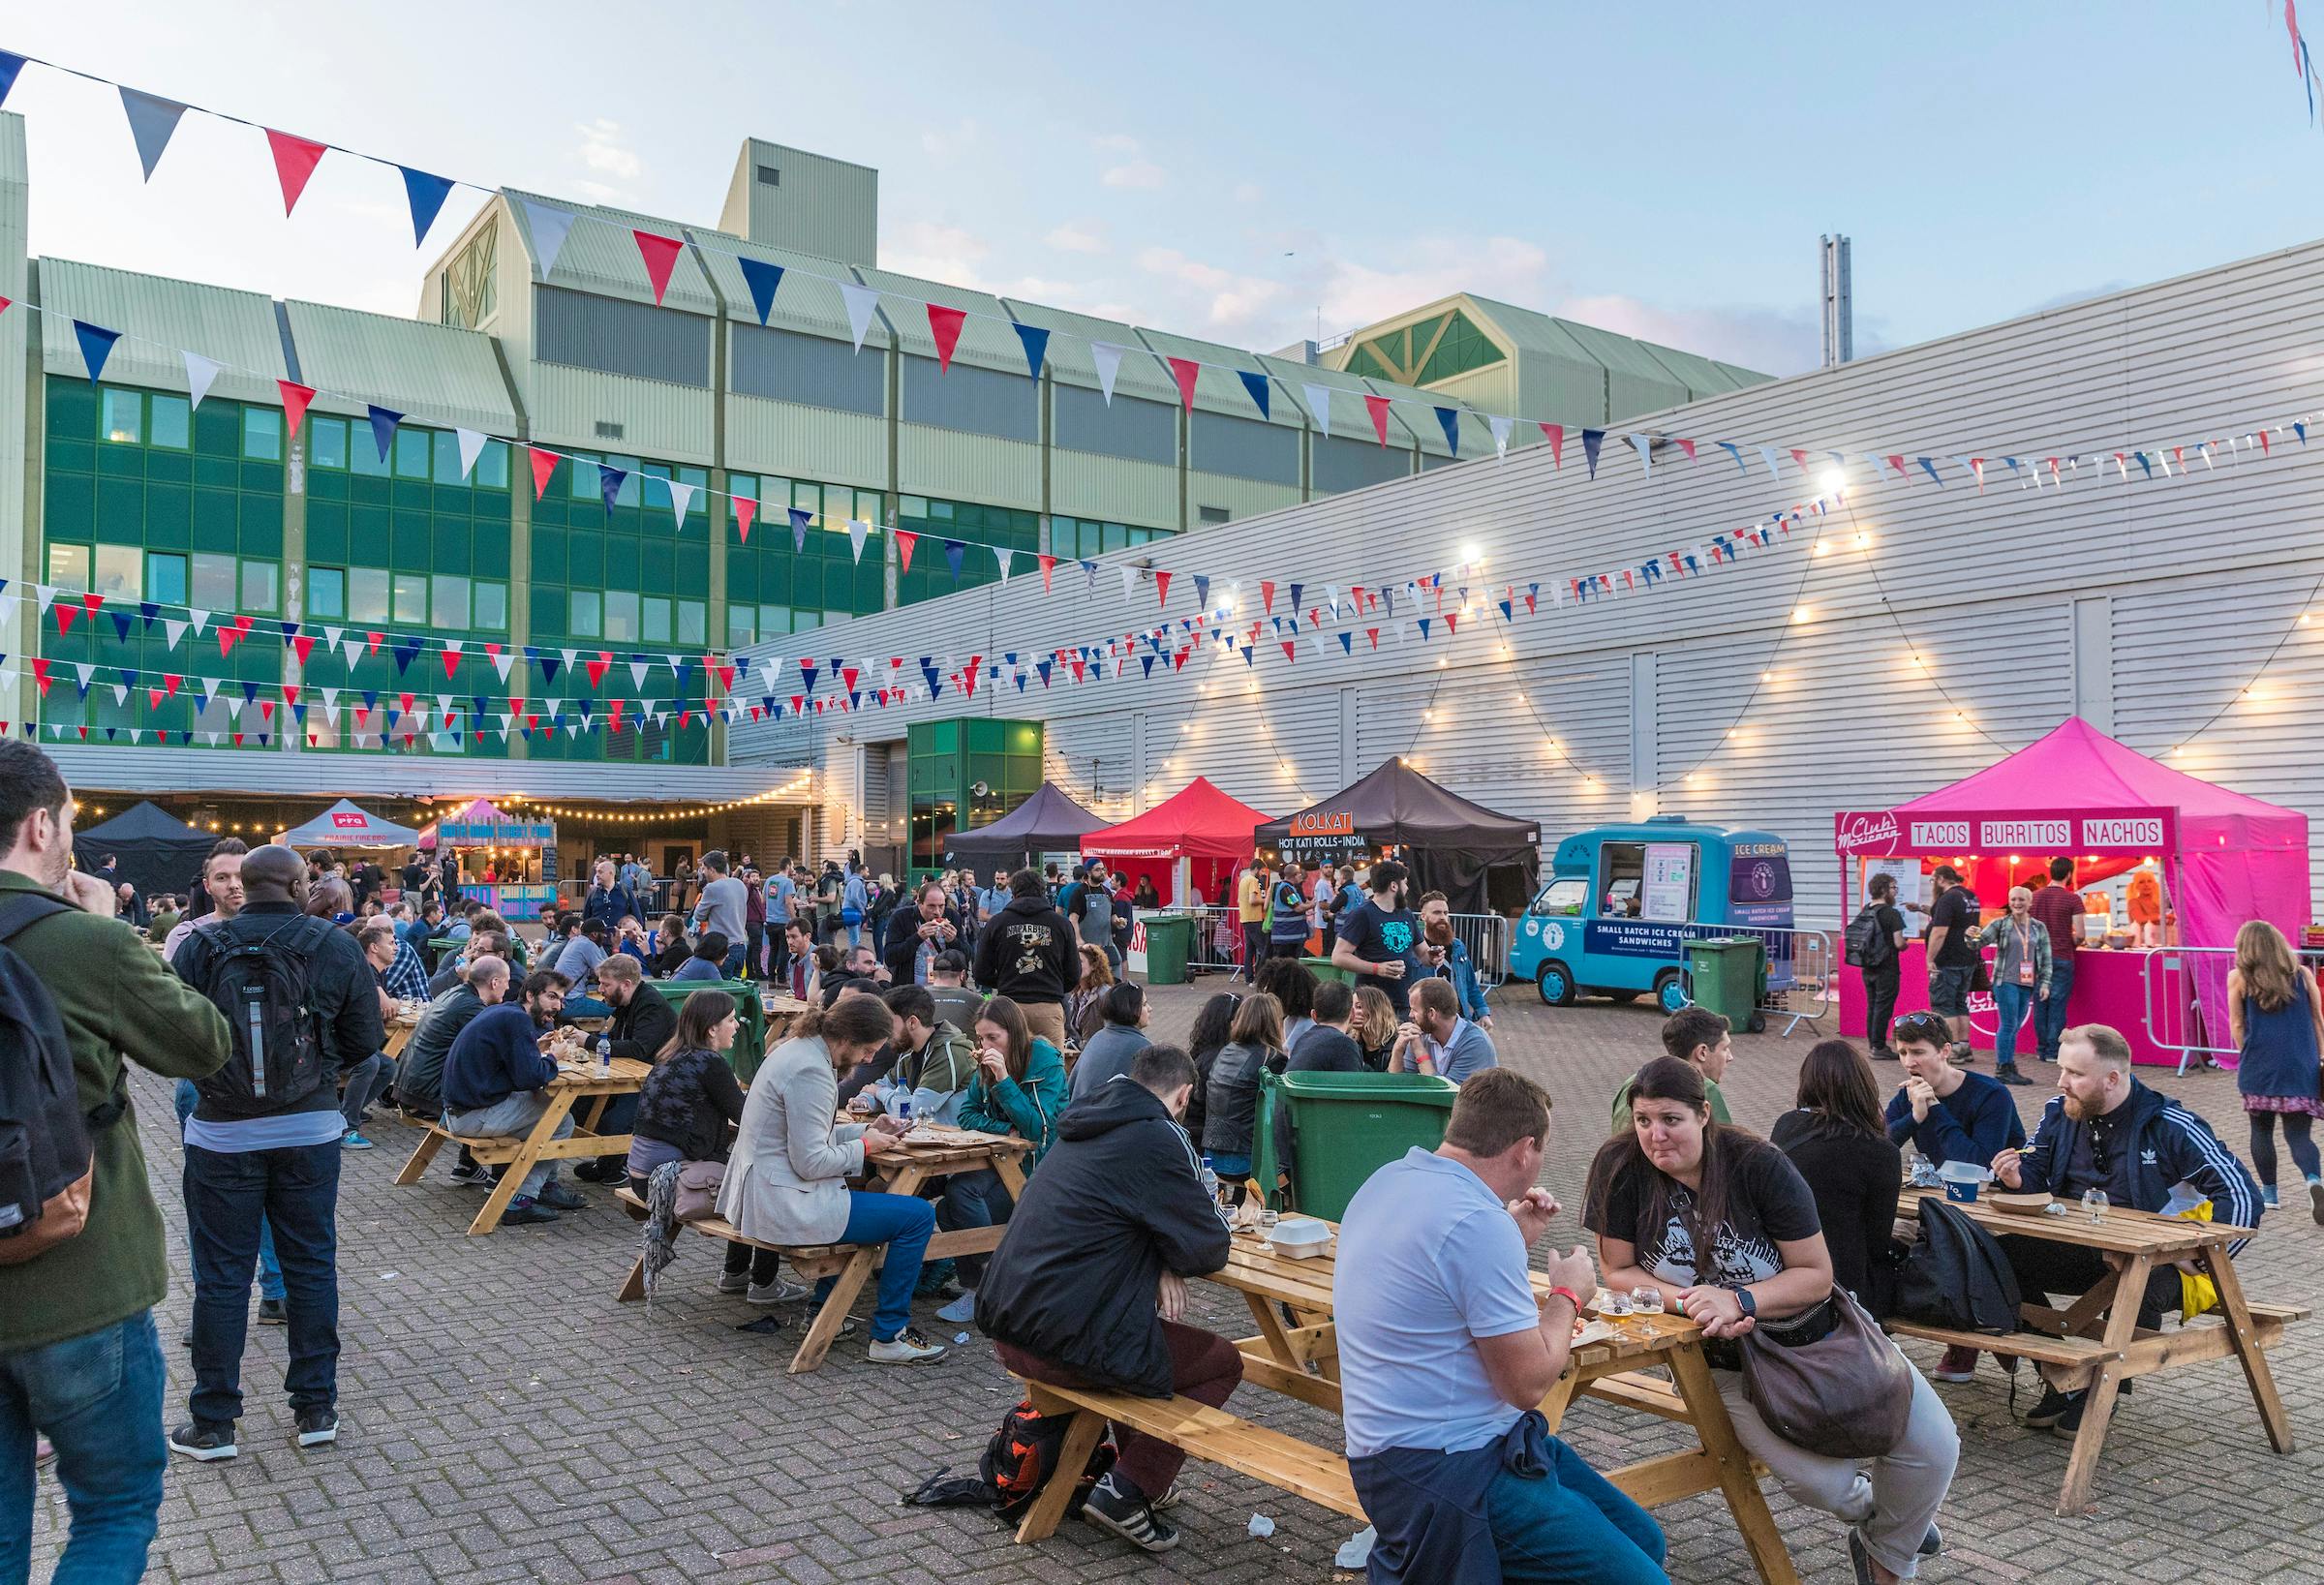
x=81, y=1313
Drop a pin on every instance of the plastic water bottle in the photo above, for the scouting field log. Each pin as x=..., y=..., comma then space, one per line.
x=604, y=1056
x=1209, y=1177
x=902, y=1106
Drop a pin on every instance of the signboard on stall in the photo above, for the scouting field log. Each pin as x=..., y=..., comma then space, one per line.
x=1322, y=836
x=1911, y=885
x=492, y=834
x=1635, y=938
x=1865, y=834
x=1670, y=888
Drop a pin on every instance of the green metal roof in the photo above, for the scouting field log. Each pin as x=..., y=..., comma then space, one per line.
x=807, y=300
x=436, y=372
x=1141, y=375
x=1216, y=388
x=986, y=338
x=603, y=258
x=236, y=327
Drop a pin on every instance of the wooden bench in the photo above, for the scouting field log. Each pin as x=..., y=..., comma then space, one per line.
x=1212, y=1435
x=2073, y=1353
x=2078, y=1357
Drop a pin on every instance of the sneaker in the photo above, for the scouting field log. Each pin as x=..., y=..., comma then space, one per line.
x=524, y=1210
x=2053, y=1407
x=557, y=1197
x=598, y=1172
x=1118, y=1508
x=2267, y=1197
x=354, y=1142
x=2007, y=1074
x=2069, y=1424
x=906, y=1348
x=317, y=1426
x=2315, y=1200
x=1882, y=1053
x=272, y=1314
x=777, y=1292
x=471, y=1172
x=206, y=1442
x=1958, y=1365
x=1171, y=1497
x=733, y=1282
x=960, y=1311
x=1932, y=1543
x=1961, y=1055
x=1860, y=1556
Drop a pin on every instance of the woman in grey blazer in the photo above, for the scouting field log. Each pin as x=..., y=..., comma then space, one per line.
x=786, y=1180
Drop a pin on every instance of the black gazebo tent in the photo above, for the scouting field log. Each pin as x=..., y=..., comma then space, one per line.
x=153, y=849
x=1481, y=861
x=1047, y=822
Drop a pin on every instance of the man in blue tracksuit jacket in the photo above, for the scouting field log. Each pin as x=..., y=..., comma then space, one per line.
x=2106, y=1129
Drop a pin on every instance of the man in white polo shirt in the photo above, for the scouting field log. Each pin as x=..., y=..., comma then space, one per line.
x=1444, y=1352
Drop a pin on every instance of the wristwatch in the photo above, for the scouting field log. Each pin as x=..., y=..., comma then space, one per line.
x=1751, y=1306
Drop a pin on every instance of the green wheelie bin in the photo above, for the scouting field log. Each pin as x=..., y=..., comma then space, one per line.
x=1169, y=939
x=1346, y=1126
x=1729, y=977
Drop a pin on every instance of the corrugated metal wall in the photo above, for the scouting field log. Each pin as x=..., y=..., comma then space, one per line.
x=2148, y=604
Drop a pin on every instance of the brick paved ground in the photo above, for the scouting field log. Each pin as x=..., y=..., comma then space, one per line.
x=503, y=1419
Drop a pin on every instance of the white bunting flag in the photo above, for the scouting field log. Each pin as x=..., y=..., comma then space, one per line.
x=682, y=500
x=350, y=650
x=1108, y=359
x=861, y=302
x=856, y=530
x=549, y=225
x=331, y=637
x=1130, y=582
x=47, y=596
x=1002, y=557
x=637, y=673
x=208, y=687
x=201, y=374
x=331, y=706
x=199, y=618
x=472, y=446
x=1319, y=402
x=569, y=657
x=503, y=661
x=85, y=671
x=768, y=670
x=1500, y=428
x=172, y=630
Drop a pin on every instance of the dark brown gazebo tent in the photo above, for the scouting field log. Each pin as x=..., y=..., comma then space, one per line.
x=1047, y=822
x=1481, y=860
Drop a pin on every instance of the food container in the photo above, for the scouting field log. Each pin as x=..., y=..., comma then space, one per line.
x=1300, y=1238
x=1963, y=1178
x=2020, y=1204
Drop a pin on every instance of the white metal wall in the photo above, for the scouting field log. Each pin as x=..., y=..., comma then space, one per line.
x=2145, y=605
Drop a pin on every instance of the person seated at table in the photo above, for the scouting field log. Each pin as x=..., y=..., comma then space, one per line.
x=2107, y=1131
x=801, y=975
x=1084, y=1003
x=1231, y=1101
x=1835, y=1137
x=856, y=967
x=1701, y=1038
x=398, y=976
x=957, y=1002
x=584, y=951
x=1681, y=1179
x=1019, y=1088
x=478, y=945
x=1118, y=1040
x=1444, y=1350
x=638, y=1026
x=934, y=1062
x=683, y=1112
x=1374, y=1027
x=495, y=1080
x=420, y=1071
x=629, y=937
x=1439, y=1040
x=1292, y=983
x=671, y=948
x=1213, y=1027
x=1089, y=1288
x=786, y=1180
x=708, y=959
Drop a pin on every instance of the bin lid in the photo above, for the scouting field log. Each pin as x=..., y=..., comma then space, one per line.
x=1427, y=1087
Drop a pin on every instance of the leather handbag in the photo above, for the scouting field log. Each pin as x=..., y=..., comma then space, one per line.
x=1844, y=1392
x=698, y=1185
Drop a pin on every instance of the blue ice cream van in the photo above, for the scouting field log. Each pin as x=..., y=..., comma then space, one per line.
x=1614, y=914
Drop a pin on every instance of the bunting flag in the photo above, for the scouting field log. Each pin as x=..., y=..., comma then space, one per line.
x=905, y=539
x=96, y=346
x=295, y=160
x=201, y=374
x=1035, y=340
x=861, y=302
x=544, y=464
x=682, y=500
x=1448, y=421
x=383, y=429
x=1500, y=428
x=1645, y=445
x=472, y=446
x=661, y=256
x=799, y=518
x=610, y=480
x=762, y=279
x=1184, y=370
x=1003, y=555
x=1556, y=436
x=425, y=193
x=152, y=123
x=956, y=554
x=743, y=509
x=1257, y=386
x=1592, y=440
x=857, y=532
x=1319, y=406
x=10, y=66
x=1048, y=565
x=549, y=225
x=944, y=329
x=1108, y=359
x=1377, y=407
x=295, y=398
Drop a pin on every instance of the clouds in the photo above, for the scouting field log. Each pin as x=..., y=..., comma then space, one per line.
x=605, y=151
x=936, y=252
x=1133, y=170
x=1076, y=236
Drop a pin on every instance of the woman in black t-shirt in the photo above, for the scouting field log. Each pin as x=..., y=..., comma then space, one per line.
x=1686, y=1203
x=683, y=1114
x=1838, y=1141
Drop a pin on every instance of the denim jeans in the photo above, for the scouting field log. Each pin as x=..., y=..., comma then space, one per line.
x=98, y=1400
x=270, y=1269
x=975, y=1200
x=732, y=967
x=365, y=1084
x=1572, y=1526
x=512, y=1116
x=904, y=1222
x=296, y=1188
x=2049, y=1016
x=2009, y=1005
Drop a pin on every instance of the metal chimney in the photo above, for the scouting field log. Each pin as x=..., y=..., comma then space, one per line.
x=1839, y=309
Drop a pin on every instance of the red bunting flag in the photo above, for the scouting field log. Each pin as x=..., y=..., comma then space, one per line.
x=1048, y=565
x=905, y=539
x=744, y=508
x=372, y=642
x=451, y=664
x=295, y=160
x=1898, y=463
x=596, y=668
x=304, y=645
x=1556, y=433
x=544, y=464
x=40, y=675
x=944, y=326
x=660, y=255
x=1267, y=596
x=1184, y=370
x=614, y=722
x=1373, y=633
x=1377, y=407
x=295, y=398
x=1162, y=588
x=1800, y=458
x=1688, y=446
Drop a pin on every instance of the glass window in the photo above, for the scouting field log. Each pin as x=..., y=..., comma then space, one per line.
x=809, y=496
x=740, y=629
x=492, y=466
x=69, y=567
x=263, y=433
x=630, y=490
x=170, y=419
x=451, y=600
x=583, y=618
x=492, y=605
x=363, y=452
x=165, y=579
x=581, y=476
x=411, y=453
x=326, y=442
x=693, y=622
x=1563, y=897
x=326, y=590
x=657, y=620
x=447, y=460
x=621, y=615
x=774, y=620
x=366, y=594
x=123, y=417
x=412, y=597
x=259, y=581
x=802, y=620
x=120, y=573
x=214, y=583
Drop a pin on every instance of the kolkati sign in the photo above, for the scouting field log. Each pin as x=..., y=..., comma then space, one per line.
x=1872, y=832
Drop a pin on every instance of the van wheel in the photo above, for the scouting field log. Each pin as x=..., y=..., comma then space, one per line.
x=1556, y=983
x=1670, y=989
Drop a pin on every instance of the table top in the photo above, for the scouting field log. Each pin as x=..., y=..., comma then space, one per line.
x=2122, y=1230
x=627, y=1074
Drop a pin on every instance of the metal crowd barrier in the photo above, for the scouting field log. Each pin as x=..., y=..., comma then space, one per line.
x=1218, y=943
x=1486, y=936
x=2174, y=983
x=1803, y=970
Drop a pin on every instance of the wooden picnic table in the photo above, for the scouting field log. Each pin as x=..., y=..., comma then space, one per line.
x=574, y=1083
x=399, y=1035
x=1298, y=1357
x=2097, y=1342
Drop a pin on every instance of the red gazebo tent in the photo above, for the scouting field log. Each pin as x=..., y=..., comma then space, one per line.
x=1209, y=828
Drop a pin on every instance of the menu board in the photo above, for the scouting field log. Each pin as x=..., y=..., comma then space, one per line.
x=1670, y=889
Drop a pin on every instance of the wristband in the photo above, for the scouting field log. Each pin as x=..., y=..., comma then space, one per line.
x=1569, y=1296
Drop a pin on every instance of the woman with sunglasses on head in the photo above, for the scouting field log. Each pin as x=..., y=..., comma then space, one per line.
x=1721, y=1220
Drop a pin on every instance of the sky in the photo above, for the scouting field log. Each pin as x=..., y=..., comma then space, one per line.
x=1247, y=173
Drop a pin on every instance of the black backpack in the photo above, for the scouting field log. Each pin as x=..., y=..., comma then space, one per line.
x=1868, y=945
x=261, y=986
x=47, y=1152
x=1956, y=1276
x=1019, y=1460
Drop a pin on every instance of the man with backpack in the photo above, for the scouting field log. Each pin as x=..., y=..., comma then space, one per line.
x=1874, y=939
x=303, y=1008
x=83, y=1258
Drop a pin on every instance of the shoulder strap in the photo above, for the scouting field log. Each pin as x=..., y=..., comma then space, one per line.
x=26, y=908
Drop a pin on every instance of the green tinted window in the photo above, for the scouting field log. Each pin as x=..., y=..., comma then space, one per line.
x=170, y=419
x=263, y=433
x=122, y=417
x=326, y=592
x=326, y=442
